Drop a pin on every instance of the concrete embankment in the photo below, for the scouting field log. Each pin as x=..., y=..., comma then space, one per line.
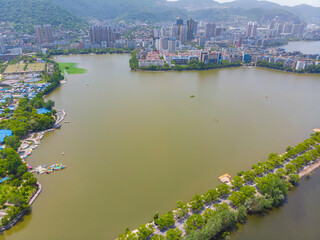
x=309, y=169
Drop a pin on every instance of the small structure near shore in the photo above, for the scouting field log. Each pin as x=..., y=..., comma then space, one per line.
x=225, y=178
x=316, y=129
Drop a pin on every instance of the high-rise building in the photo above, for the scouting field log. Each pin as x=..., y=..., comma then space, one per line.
x=279, y=28
x=172, y=45
x=183, y=34
x=210, y=30
x=287, y=28
x=101, y=34
x=164, y=43
x=2, y=46
x=174, y=31
x=39, y=35
x=190, y=24
x=252, y=29
x=156, y=33
x=48, y=33
x=163, y=32
x=157, y=44
x=179, y=24
x=297, y=29
x=195, y=28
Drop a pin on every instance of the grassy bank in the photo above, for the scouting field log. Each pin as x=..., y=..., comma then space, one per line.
x=71, y=68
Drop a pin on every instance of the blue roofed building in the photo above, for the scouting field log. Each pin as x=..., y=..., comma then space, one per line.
x=5, y=133
x=43, y=111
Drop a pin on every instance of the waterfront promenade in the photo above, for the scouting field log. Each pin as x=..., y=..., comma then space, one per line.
x=181, y=223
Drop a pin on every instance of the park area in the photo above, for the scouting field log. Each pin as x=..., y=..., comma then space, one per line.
x=71, y=68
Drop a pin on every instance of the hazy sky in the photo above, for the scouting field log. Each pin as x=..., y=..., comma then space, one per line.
x=315, y=3
x=288, y=2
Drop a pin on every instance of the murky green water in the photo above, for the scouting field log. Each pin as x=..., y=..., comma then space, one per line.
x=136, y=142
x=298, y=219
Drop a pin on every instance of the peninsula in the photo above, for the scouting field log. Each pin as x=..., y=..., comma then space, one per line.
x=216, y=212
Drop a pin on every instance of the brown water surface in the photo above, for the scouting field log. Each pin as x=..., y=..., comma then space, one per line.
x=136, y=142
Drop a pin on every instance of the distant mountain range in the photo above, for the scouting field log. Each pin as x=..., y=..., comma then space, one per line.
x=305, y=13
x=24, y=14
x=72, y=14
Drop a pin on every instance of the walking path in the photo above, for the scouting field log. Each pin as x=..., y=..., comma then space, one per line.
x=180, y=223
x=309, y=169
x=60, y=118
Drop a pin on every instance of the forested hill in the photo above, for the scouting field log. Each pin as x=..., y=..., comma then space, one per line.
x=24, y=14
x=163, y=10
x=131, y=10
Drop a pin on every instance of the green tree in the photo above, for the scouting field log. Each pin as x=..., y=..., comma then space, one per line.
x=271, y=185
x=182, y=209
x=194, y=222
x=144, y=231
x=196, y=203
x=241, y=214
x=237, y=182
x=223, y=189
x=173, y=234
x=294, y=179
x=166, y=220
x=12, y=142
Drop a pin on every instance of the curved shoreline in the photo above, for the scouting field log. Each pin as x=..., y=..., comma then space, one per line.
x=180, y=223
x=222, y=68
x=310, y=169
x=39, y=189
x=17, y=218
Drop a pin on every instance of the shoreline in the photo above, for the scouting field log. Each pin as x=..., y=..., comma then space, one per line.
x=26, y=153
x=310, y=169
x=222, y=68
x=181, y=223
x=20, y=215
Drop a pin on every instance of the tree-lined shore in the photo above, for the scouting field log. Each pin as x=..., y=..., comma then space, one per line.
x=217, y=212
x=20, y=185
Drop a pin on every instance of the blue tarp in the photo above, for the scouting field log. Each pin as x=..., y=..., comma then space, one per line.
x=43, y=111
x=4, y=179
x=4, y=133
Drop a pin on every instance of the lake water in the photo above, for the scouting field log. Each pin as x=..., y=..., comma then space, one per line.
x=306, y=47
x=136, y=142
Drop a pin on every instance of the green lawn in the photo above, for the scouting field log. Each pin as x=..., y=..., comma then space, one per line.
x=71, y=68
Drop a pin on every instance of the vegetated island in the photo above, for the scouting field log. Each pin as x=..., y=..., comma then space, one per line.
x=18, y=186
x=217, y=212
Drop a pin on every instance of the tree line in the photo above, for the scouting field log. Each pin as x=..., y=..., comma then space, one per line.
x=259, y=189
x=280, y=66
